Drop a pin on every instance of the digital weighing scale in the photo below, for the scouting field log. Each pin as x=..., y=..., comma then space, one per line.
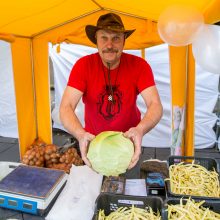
x=31, y=189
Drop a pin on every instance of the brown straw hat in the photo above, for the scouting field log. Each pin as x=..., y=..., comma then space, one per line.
x=108, y=21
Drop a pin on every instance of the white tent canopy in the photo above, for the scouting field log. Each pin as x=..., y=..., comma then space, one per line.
x=157, y=56
x=8, y=119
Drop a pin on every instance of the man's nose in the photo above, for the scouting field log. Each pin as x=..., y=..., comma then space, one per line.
x=109, y=43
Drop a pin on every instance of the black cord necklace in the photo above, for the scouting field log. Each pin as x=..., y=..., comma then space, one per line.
x=109, y=86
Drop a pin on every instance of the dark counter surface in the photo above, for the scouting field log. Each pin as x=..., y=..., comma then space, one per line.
x=9, y=151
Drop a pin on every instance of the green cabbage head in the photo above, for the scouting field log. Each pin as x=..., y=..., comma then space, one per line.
x=110, y=153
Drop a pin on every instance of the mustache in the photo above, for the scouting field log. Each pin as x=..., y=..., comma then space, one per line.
x=110, y=50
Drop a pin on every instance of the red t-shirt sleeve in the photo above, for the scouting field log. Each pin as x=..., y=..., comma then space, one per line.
x=77, y=77
x=145, y=78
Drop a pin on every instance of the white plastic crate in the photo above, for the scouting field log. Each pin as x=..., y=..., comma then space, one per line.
x=6, y=168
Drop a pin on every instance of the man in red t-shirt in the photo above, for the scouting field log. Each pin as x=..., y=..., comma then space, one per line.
x=108, y=83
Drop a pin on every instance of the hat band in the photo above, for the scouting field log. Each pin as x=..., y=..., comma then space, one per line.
x=117, y=27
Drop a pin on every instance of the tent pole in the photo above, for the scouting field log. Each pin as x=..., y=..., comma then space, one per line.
x=24, y=92
x=34, y=86
x=143, y=53
x=178, y=79
x=190, y=104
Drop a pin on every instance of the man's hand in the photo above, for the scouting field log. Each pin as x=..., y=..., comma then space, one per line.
x=84, y=141
x=136, y=137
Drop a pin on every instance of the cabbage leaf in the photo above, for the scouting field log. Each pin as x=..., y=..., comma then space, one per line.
x=110, y=153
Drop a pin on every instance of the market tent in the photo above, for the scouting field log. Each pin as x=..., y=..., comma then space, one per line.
x=30, y=25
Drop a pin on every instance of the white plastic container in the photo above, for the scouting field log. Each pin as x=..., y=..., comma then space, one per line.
x=6, y=168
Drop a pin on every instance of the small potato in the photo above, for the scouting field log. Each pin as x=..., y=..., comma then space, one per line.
x=47, y=157
x=54, y=160
x=54, y=148
x=30, y=157
x=25, y=156
x=69, y=150
x=28, y=152
x=41, y=158
x=69, y=166
x=33, y=153
x=38, y=163
x=74, y=150
x=75, y=154
x=53, y=155
x=25, y=161
x=62, y=159
x=37, y=155
x=71, y=154
x=67, y=161
x=41, y=152
x=48, y=150
x=31, y=163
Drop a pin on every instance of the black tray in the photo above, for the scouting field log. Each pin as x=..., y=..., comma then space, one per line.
x=211, y=204
x=111, y=202
x=208, y=163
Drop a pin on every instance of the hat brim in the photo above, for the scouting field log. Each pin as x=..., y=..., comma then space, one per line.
x=91, y=31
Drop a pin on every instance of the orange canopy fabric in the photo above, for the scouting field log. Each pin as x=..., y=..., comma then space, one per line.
x=30, y=18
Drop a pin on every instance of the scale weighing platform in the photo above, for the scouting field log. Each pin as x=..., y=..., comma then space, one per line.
x=31, y=189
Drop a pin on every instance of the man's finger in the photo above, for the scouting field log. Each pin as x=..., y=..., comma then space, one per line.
x=134, y=161
x=132, y=164
x=90, y=137
x=87, y=162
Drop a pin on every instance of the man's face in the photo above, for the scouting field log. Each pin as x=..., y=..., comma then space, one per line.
x=110, y=45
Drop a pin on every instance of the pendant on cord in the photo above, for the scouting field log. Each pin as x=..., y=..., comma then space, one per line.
x=110, y=98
